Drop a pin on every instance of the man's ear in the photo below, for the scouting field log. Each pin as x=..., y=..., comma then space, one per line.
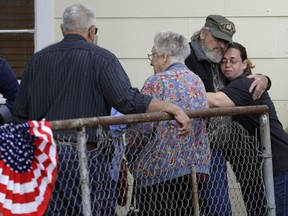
x=62, y=29
x=202, y=34
x=90, y=35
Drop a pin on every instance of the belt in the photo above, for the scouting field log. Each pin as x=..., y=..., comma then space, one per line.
x=91, y=145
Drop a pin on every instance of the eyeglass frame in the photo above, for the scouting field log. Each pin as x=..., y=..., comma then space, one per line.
x=150, y=56
x=230, y=61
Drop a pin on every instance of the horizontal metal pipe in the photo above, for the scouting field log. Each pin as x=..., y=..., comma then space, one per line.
x=154, y=116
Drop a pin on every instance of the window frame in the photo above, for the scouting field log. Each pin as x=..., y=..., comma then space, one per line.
x=44, y=30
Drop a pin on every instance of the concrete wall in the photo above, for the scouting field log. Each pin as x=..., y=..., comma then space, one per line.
x=127, y=27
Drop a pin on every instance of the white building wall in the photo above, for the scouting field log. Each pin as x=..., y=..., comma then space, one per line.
x=127, y=27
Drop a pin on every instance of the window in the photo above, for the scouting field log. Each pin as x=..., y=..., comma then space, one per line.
x=17, y=32
x=25, y=27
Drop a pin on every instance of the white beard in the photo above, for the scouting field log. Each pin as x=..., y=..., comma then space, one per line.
x=213, y=57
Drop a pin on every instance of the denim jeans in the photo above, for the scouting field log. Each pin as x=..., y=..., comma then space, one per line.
x=213, y=193
x=66, y=197
x=281, y=193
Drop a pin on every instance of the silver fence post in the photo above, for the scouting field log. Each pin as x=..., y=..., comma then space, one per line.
x=195, y=191
x=84, y=172
x=267, y=167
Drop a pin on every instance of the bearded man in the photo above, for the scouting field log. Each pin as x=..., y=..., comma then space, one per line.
x=208, y=46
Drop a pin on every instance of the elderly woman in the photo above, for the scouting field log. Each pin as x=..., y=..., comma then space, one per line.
x=236, y=67
x=161, y=169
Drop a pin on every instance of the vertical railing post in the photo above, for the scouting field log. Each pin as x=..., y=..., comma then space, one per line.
x=267, y=167
x=84, y=172
x=195, y=191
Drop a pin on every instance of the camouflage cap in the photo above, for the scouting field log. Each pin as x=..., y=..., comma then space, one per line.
x=221, y=27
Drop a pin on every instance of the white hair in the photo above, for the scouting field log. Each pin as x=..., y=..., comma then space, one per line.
x=172, y=44
x=78, y=18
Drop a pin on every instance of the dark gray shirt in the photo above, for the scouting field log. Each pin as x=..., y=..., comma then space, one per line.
x=75, y=79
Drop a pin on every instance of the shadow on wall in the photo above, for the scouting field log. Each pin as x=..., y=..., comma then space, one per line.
x=286, y=129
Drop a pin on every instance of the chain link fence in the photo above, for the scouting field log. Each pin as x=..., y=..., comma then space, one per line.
x=124, y=173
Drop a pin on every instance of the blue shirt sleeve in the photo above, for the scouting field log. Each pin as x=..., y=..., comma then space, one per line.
x=117, y=129
x=9, y=87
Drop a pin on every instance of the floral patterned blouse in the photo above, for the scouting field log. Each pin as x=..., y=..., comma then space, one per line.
x=166, y=155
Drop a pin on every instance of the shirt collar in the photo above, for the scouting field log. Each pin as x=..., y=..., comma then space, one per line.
x=74, y=36
x=176, y=65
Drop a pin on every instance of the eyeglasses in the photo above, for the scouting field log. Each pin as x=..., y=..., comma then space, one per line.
x=96, y=29
x=231, y=61
x=150, y=56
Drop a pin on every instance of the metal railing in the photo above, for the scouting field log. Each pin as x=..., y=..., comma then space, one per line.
x=88, y=194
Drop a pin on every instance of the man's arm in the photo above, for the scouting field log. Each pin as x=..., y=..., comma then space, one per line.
x=219, y=99
x=259, y=85
x=9, y=87
x=5, y=115
x=179, y=115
